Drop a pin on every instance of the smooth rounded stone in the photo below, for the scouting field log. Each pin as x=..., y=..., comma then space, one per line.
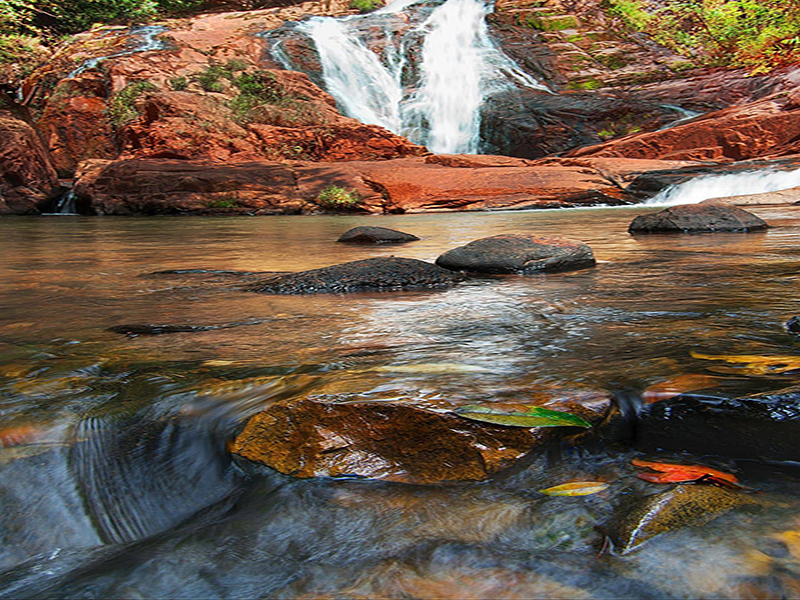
x=372, y=274
x=698, y=218
x=761, y=426
x=793, y=325
x=519, y=254
x=375, y=235
x=398, y=441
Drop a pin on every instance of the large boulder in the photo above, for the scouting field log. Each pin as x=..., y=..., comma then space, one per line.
x=698, y=218
x=762, y=426
x=522, y=254
x=398, y=441
x=27, y=176
x=372, y=274
x=375, y=235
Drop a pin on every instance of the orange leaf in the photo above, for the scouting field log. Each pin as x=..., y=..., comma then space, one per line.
x=576, y=488
x=679, y=384
x=672, y=473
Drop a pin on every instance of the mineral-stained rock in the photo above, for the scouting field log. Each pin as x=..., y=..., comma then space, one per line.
x=397, y=441
x=27, y=176
x=518, y=254
x=762, y=426
x=375, y=235
x=372, y=274
x=698, y=218
x=681, y=506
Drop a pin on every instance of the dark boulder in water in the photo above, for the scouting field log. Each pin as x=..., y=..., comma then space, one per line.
x=793, y=325
x=375, y=235
x=370, y=275
x=698, y=218
x=521, y=254
x=762, y=426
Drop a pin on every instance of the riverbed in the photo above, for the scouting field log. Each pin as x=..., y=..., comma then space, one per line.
x=116, y=482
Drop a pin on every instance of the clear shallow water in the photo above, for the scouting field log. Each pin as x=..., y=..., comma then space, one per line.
x=115, y=481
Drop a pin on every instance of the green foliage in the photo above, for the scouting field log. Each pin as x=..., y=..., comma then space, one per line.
x=365, y=6
x=227, y=202
x=262, y=99
x=121, y=109
x=338, y=198
x=178, y=83
x=209, y=79
x=758, y=34
x=534, y=416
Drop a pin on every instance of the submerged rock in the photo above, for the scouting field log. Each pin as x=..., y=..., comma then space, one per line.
x=793, y=325
x=375, y=235
x=698, y=218
x=397, y=441
x=522, y=254
x=762, y=426
x=372, y=274
x=681, y=506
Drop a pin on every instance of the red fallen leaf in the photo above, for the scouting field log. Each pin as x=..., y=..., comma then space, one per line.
x=672, y=473
x=16, y=436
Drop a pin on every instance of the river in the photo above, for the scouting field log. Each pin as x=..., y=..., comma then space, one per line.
x=115, y=481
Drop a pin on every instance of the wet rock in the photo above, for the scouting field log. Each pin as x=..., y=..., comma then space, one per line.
x=762, y=426
x=790, y=196
x=681, y=506
x=375, y=235
x=372, y=274
x=698, y=218
x=793, y=325
x=522, y=254
x=135, y=329
x=397, y=441
x=27, y=176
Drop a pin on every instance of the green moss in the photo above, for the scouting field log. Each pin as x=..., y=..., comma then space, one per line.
x=230, y=201
x=551, y=23
x=178, y=83
x=121, y=109
x=365, y=6
x=587, y=84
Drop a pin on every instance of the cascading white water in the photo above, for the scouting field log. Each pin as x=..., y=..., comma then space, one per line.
x=721, y=186
x=435, y=100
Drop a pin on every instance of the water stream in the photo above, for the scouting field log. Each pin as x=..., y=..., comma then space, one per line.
x=148, y=40
x=115, y=480
x=417, y=68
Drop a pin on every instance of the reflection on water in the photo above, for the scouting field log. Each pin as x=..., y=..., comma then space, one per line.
x=114, y=475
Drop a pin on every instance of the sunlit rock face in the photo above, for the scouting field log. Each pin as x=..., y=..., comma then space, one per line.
x=398, y=440
x=27, y=177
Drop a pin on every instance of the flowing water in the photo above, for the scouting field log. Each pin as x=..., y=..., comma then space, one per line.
x=115, y=481
x=420, y=69
x=146, y=40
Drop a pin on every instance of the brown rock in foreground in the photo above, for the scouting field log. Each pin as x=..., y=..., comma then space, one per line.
x=397, y=441
x=698, y=218
x=375, y=235
x=521, y=254
x=27, y=176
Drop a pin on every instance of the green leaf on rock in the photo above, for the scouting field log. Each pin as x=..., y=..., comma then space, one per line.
x=533, y=417
x=576, y=488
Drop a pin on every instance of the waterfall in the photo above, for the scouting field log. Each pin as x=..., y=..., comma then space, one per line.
x=721, y=186
x=148, y=40
x=419, y=69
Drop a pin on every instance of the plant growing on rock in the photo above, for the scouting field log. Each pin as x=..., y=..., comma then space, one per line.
x=338, y=198
x=122, y=109
x=365, y=6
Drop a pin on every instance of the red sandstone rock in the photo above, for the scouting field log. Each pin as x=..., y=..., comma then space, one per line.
x=766, y=128
x=398, y=441
x=27, y=176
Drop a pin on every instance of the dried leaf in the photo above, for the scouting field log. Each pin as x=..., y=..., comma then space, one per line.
x=576, y=488
x=533, y=417
x=431, y=369
x=754, y=364
x=680, y=384
x=672, y=473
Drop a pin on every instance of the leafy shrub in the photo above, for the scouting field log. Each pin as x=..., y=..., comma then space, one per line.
x=121, y=109
x=178, y=83
x=209, y=79
x=365, y=6
x=228, y=202
x=338, y=198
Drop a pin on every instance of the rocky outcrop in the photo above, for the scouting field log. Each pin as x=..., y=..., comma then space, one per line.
x=762, y=426
x=370, y=275
x=27, y=177
x=698, y=218
x=769, y=127
x=398, y=441
x=375, y=235
x=790, y=196
x=521, y=254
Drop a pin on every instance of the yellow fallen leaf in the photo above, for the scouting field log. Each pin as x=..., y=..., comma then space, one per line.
x=432, y=368
x=755, y=364
x=576, y=488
